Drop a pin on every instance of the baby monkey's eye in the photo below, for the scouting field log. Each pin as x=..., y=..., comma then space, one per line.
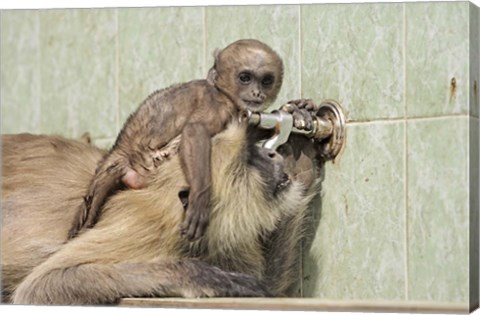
x=245, y=77
x=267, y=80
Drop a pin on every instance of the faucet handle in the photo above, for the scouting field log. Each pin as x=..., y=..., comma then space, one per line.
x=330, y=128
x=328, y=124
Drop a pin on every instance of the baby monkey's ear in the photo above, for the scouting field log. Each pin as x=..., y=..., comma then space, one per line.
x=86, y=138
x=212, y=73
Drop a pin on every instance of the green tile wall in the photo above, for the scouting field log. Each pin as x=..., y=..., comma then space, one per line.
x=474, y=62
x=474, y=204
x=20, y=73
x=474, y=162
x=358, y=248
x=438, y=230
x=275, y=25
x=77, y=67
x=157, y=48
x=393, y=218
x=437, y=53
x=354, y=53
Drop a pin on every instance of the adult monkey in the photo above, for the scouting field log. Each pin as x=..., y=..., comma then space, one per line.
x=247, y=75
x=135, y=248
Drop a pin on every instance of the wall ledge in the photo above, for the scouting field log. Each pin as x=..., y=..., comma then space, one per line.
x=300, y=304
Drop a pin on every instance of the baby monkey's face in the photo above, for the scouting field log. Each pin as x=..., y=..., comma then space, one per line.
x=251, y=73
x=256, y=88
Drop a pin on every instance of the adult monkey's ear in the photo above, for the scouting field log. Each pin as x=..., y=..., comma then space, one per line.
x=212, y=73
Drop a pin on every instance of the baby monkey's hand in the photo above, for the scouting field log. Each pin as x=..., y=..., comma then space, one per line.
x=197, y=214
x=303, y=112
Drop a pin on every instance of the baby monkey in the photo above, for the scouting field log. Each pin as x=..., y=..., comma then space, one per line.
x=246, y=75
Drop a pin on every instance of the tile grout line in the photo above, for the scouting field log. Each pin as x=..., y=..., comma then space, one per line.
x=405, y=157
x=39, y=75
x=1, y=102
x=300, y=60
x=397, y=119
x=458, y=115
x=117, y=72
x=300, y=49
x=204, y=68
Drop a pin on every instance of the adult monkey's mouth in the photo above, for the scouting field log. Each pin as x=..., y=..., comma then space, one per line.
x=283, y=183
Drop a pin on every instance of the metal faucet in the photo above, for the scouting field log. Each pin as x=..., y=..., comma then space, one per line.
x=329, y=123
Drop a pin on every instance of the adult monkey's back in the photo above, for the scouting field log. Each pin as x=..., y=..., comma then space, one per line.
x=247, y=251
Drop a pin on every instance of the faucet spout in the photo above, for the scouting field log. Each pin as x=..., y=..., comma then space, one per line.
x=328, y=127
x=280, y=121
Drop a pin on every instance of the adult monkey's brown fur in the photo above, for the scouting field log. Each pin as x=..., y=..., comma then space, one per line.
x=135, y=249
x=246, y=75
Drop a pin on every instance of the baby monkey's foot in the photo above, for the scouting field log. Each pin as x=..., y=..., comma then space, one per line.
x=80, y=218
x=305, y=103
x=195, y=223
x=303, y=112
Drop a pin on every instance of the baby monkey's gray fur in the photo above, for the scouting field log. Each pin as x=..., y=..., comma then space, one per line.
x=246, y=75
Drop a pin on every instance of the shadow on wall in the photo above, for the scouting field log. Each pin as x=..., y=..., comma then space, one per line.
x=312, y=223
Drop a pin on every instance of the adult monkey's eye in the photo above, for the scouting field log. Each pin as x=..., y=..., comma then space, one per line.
x=245, y=77
x=267, y=80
